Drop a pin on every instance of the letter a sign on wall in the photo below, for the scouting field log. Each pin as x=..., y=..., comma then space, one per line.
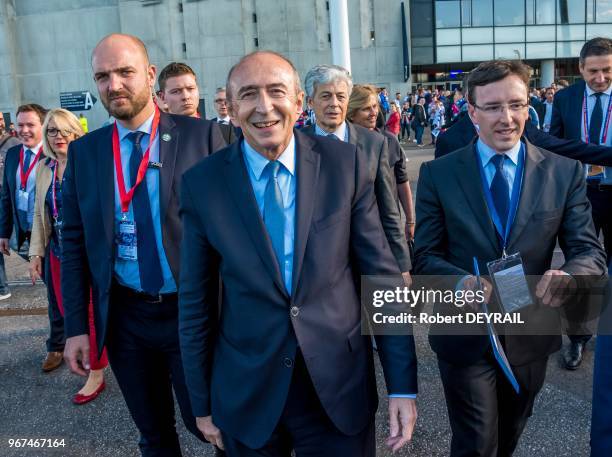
x=77, y=101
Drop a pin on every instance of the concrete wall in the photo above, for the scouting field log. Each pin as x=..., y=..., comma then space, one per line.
x=45, y=45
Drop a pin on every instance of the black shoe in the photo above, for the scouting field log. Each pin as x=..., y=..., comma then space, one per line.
x=573, y=356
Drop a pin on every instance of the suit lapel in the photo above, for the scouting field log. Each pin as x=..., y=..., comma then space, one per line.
x=307, y=175
x=471, y=184
x=106, y=185
x=577, y=100
x=531, y=190
x=239, y=187
x=167, y=156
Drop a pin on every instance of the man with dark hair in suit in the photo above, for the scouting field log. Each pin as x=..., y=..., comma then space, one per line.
x=229, y=131
x=497, y=197
x=328, y=89
x=121, y=237
x=289, y=220
x=583, y=112
x=178, y=89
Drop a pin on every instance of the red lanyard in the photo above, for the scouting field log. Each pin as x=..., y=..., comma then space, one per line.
x=25, y=174
x=585, y=119
x=126, y=196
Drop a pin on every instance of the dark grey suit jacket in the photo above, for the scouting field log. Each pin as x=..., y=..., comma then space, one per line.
x=88, y=197
x=376, y=149
x=240, y=372
x=453, y=226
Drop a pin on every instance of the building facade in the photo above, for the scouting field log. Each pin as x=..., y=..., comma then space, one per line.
x=449, y=37
x=45, y=45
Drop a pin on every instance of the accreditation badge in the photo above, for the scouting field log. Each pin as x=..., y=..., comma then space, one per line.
x=127, y=247
x=22, y=200
x=510, y=282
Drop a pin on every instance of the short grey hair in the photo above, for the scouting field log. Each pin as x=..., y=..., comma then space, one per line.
x=220, y=89
x=325, y=74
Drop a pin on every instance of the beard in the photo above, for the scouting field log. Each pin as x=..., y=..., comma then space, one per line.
x=136, y=103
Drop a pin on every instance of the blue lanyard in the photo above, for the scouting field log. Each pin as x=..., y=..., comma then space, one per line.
x=516, y=192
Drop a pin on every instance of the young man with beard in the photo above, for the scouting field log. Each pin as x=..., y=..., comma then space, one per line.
x=121, y=238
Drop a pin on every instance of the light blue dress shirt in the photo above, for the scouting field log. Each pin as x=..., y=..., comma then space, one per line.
x=126, y=271
x=287, y=182
x=605, y=100
x=30, y=183
x=510, y=163
x=342, y=132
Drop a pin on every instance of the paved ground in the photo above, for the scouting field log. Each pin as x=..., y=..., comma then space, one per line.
x=37, y=405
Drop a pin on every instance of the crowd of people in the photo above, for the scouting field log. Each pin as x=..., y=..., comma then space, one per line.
x=219, y=259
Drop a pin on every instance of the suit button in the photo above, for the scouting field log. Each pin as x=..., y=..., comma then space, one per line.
x=295, y=311
x=288, y=362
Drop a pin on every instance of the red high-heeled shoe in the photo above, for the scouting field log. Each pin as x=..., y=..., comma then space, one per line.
x=80, y=399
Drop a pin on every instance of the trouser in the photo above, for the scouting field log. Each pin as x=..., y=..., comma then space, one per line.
x=4, y=289
x=305, y=428
x=57, y=338
x=486, y=415
x=143, y=350
x=55, y=283
x=418, y=132
x=405, y=130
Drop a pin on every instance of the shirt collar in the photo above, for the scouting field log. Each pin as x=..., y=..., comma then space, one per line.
x=224, y=119
x=590, y=91
x=35, y=149
x=144, y=127
x=340, y=132
x=258, y=162
x=487, y=153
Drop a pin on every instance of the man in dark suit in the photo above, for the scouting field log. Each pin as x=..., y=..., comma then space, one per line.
x=582, y=112
x=283, y=365
x=17, y=212
x=121, y=236
x=328, y=89
x=464, y=210
x=230, y=132
x=178, y=89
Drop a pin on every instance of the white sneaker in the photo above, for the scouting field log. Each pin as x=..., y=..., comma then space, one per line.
x=5, y=296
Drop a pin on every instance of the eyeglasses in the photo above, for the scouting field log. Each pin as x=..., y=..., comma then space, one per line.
x=515, y=107
x=221, y=101
x=52, y=132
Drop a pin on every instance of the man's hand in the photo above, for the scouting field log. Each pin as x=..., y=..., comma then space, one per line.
x=210, y=431
x=555, y=287
x=4, y=246
x=407, y=278
x=402, y=417
x=470, y=283
x=76, y=353
x=410, y=231
x=35, y=268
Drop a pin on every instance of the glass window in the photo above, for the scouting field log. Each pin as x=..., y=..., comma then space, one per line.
x=477, y=53
x=448, y=36
x=568, y=49
x=530, y=11
x=509, y=34
x=545, y=12
x=509, y=13
x=541, y=33
x=570, y=12
x=477, y=36
x=540, y=51
x=570, y=32
x=595, y=30
x=590, y=11
x=482, y=13
x=603, y=11
x=448, y=54
x=510, y=51
x=466, y=13
x=448, y=14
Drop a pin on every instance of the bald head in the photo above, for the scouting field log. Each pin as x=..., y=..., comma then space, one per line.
x=262, y=57
x=122, y=39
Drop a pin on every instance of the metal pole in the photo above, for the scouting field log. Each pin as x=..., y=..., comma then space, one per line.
x=338, y=24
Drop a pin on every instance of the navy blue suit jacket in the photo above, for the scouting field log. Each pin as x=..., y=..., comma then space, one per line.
x=236, y=365
x=463, y=132
x=567, y=112
x=89, y=212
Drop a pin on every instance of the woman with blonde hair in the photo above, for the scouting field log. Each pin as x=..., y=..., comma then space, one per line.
x=60, y=128
x=363, y=109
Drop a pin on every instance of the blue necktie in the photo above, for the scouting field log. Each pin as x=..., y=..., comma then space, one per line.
x=23, y=215
x=274, y=214
x=596, y=120
x=332, y=136
x=500, y=190
x=151, y=277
